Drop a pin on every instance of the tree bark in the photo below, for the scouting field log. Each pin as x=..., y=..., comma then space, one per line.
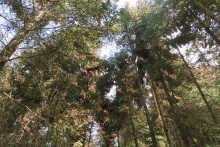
x=90, y=134
x=84, y=139
x=206, y=11
x=207, y=29
x=150, y=124
x=11, y=47
x=164, y=125
x=170, y=99
x=118, y=136
x=199, y=89
x=134, y=133
x=181, y=128
x=147, y=114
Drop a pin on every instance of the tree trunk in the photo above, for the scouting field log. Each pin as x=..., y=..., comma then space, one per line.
x=150, y=124
x=149, y=121
x=90, y=134
x=170, y=99
x=199, y=89
x=11, y=47
x=164, y=125
x=206, y=11
x=207, y=29
x=84, y=139
x=134, y=133
x=182, y=129
x=118, y=136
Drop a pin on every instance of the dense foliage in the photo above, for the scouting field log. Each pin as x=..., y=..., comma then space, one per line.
x=161, y=88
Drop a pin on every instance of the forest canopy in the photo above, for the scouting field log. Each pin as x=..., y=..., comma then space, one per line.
x=161, y=88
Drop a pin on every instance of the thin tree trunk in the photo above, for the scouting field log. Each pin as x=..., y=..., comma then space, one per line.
x=207, y=29
x=134, y=133
x=90, y=134
x=118, y=136
x=149, y=121
x=11, y=47
x=150, y=124
x=125, y=142
x=170, y=99
x=206, y=11
x=199, y=89
x=183, y=132
x=165, y=128
x=84, y=140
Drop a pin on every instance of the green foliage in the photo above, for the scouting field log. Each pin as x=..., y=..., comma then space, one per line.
x=53, y=93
